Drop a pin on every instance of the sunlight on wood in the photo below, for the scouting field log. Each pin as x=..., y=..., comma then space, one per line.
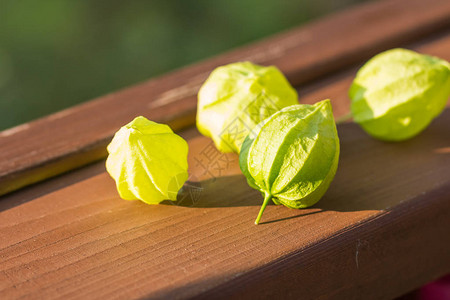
x=445, y=150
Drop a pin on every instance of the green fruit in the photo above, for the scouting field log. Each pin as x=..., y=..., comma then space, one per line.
x=148, y=161
x=292, y=156
x=397, y=93
x=238, y=96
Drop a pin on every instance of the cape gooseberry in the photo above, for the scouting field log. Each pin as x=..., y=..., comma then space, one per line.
x=292, y=156
x=238, y=96
x=148, y=161
x=397, y=93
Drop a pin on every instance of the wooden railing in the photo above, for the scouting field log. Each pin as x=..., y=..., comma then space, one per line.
x=381, y=230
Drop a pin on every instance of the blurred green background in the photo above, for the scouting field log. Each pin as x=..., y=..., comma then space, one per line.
x=57, y=53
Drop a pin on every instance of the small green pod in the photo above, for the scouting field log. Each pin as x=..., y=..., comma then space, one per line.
x=148, y=161
x=238, y=96
x=397, y=93
x=292, y=156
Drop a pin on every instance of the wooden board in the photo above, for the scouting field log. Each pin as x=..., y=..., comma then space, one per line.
x=381, y=230
x=77, y=136
x=84, y=241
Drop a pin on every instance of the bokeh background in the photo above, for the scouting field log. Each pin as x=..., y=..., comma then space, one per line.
x=58, y=53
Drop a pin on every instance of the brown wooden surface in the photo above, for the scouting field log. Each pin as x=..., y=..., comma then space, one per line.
x=366, y=237
x=77, y=136
x=381, y=230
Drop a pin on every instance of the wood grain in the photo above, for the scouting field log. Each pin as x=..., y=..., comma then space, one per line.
x=380, y=231
x=77, y=136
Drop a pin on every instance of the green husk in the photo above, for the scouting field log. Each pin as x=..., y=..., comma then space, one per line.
x=397, y=93
x=292, y=156
x=148, y=161
x=236, y=97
